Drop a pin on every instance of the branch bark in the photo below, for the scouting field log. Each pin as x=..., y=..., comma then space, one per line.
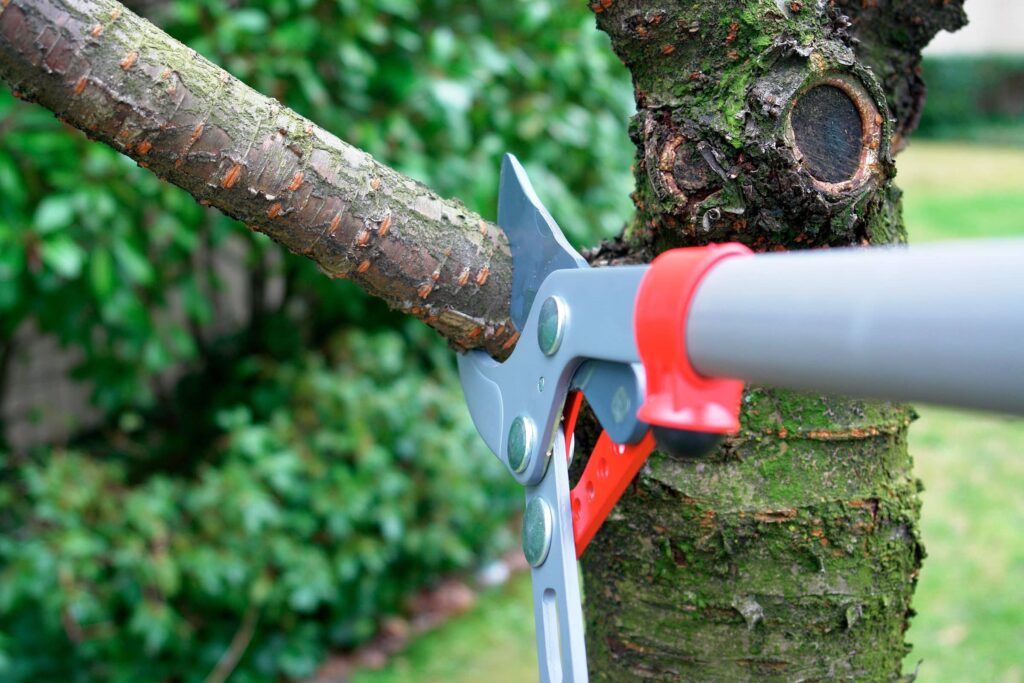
x=124, y=82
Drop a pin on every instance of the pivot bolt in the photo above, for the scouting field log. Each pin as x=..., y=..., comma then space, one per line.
x=551, y=327
x=538, y=523
x=522, y=436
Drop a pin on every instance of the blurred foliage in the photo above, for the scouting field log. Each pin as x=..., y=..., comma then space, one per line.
x=350, y=478
x=974, y=98
x=277, y=471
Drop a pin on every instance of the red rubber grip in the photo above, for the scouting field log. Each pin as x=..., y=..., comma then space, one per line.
x=677, y=396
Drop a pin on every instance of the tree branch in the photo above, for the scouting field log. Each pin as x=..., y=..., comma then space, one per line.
x=126, y=83
x=239, y=644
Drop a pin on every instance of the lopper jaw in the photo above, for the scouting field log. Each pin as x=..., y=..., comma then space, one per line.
x=616, y=336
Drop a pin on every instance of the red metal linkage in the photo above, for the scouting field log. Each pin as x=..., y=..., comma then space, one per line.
x=609, y=471
x=569, y=414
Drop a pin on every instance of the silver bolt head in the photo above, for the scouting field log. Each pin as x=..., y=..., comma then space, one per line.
x=522, y=436
x=551, y=326
x=538, y=525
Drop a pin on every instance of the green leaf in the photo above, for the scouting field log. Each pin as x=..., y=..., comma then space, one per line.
x=63, y=256
x=101, y=273
x=250, y=20
x=136, y=268
x=54, y=213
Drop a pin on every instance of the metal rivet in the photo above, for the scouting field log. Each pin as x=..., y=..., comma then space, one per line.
x=521, y=439
x=537, y=528
x=551, y=327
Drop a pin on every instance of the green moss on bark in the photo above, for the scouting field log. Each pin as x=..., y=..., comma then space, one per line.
x=791, y=553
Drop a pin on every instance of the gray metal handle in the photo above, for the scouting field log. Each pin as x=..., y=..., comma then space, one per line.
x=939, y=324
x=549, y=548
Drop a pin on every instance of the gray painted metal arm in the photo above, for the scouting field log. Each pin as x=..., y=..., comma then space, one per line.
x=938, y=324
x=551, y=552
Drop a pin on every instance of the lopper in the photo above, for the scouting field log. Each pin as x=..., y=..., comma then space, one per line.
x=661, y=353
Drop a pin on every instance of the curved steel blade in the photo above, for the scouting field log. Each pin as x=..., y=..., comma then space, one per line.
x=538, y=245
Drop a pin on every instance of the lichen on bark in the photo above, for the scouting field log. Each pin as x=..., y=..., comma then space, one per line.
x=792, y=553
x=716, y=84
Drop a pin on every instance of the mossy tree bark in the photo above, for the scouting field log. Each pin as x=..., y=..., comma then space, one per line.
x=792, y=553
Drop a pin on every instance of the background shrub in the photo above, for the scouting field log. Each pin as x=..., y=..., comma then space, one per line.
x=319, y=509
x=270, y=451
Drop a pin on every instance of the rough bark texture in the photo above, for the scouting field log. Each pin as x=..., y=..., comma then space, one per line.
x=889, y=36
x=792, y=553
x=124, y=82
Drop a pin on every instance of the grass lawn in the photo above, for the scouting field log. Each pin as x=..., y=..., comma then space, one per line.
x=491, y=644
x=962, y=192
x=970, y=599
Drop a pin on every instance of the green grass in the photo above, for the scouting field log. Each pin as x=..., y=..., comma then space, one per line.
x=493, y=643
x=962, y=192
x=970, y=598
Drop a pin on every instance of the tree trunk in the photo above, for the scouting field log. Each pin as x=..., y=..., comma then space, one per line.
x=126, y=83
x=792, y=553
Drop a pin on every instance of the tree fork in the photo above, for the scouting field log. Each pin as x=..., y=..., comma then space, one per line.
x=124, y=82
x=792, y=553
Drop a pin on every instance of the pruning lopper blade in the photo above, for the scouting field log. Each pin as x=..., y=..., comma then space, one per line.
x=538, y=246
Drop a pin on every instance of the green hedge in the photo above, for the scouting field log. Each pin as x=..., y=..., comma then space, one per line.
x=975, y=99
x=309, y=469
x=360, y=480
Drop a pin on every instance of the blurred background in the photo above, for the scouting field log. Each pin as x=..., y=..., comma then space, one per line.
x=218, y=464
